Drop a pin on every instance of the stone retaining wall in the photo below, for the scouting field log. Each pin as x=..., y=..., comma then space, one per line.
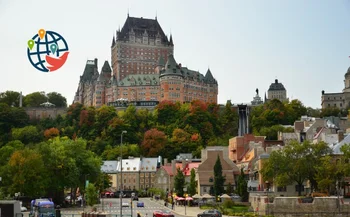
x=261, y=205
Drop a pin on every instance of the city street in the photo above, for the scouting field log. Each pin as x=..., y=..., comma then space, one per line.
x=112, y=205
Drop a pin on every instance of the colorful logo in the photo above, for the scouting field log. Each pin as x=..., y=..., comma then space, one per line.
x=47, y=51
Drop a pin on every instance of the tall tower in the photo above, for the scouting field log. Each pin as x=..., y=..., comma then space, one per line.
x=138, y=47
x=243, y=114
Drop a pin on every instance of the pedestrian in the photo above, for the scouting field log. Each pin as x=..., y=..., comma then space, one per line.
x=172, y=205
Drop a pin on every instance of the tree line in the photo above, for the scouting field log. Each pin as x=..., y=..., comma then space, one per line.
x=167, y=130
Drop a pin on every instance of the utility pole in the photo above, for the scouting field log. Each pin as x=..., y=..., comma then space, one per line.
x=121, y=173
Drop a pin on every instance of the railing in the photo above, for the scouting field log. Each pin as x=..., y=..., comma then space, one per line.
x=98, y=215
x=309, y=214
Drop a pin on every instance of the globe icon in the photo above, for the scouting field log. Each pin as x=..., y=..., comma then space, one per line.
x=41, y=53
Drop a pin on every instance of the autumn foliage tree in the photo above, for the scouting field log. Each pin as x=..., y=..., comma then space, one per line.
x=51, y=133
x=153, y=142
x=27, y=171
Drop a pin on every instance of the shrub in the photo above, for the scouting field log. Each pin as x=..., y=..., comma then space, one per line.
x=228, y=204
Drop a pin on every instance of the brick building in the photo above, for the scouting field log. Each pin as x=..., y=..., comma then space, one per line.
x=143, y=69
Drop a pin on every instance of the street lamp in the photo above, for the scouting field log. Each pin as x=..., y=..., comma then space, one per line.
x=121, y=173
x=267, y=195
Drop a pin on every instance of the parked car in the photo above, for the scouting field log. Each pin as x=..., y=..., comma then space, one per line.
x=162, y=213
x=125, y=204
x=210, y=213
x=140, y=204
x=135, y=198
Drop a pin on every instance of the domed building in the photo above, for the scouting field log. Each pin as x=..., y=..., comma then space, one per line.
x=339, y=100
x=277, y=91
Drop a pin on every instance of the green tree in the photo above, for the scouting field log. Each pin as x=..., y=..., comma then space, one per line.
x=311, y=112
x=167, y=112
x=91, y=194
x=271, y=132
x=295, y=163
x=330, y=111
x=326, y=173
x=179, y=182
x=10, y=117
x=57, y=99
x=35, y=99
x=28, y=134
x=242, y=187
x=229, y=189
x=11, y=98
x=219, y=179
x=28, y=173
x=229, y=120
x=192, y=185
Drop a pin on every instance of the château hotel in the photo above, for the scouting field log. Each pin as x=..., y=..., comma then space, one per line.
x=143, y=69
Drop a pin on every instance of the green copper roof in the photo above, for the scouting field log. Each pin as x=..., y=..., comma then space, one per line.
x=161, y=61
x=106, y=68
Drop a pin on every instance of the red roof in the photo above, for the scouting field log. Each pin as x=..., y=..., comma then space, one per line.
x=168, y=169
x=189, y=167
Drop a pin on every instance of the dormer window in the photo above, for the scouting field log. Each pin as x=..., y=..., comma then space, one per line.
x=134, y=168
x=128, y=168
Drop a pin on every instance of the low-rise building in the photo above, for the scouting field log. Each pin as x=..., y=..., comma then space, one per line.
x=164, y=178
x=138, y=173
x=206, y=168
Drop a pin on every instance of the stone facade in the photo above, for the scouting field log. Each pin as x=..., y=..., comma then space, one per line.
x=143, y=69
x=339, y=100
x=282, y=206
x=277, y=91
x=44, y=112
x=137, y=173
x=164, y=178
x=205, y=170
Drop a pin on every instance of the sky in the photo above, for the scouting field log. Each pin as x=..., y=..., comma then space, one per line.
x=246, y=44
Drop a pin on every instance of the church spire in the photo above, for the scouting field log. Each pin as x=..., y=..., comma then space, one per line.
x=171, y=40
x=113, y=42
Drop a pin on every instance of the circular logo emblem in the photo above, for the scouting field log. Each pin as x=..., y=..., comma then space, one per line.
x=47, y=51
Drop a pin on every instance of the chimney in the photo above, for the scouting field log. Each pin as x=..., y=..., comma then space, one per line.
x=173, y=166
x=180, y=66
x=276, y=81
x=95, y=62
x=165, y=161
x=340, y=135
x=184, y=163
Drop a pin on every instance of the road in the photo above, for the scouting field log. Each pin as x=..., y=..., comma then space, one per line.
x=112, y=205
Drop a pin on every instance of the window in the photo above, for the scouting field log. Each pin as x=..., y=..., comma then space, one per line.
x=281, y=188
x=297, y=188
